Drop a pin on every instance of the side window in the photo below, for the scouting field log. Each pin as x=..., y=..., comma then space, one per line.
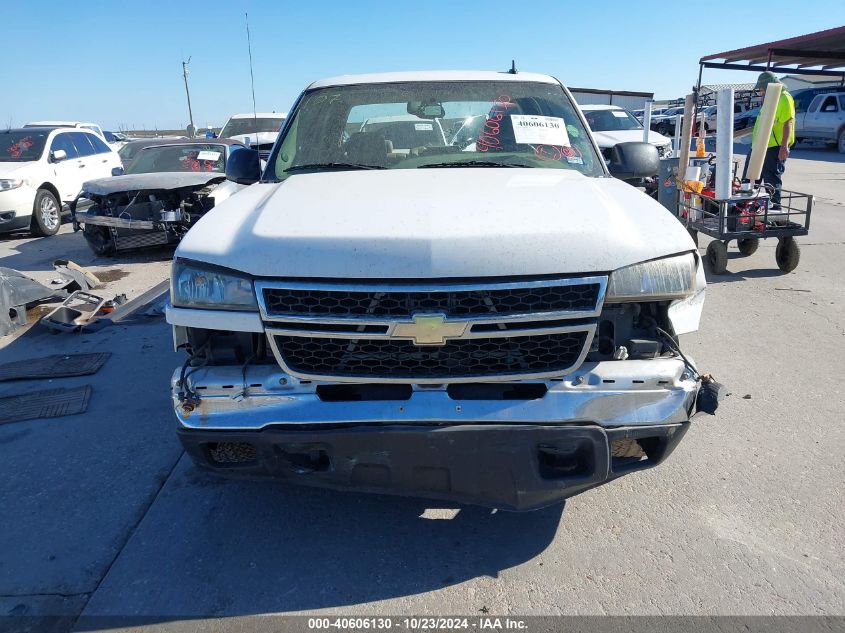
x=99, y=145
x=814, y=106
x=83, y=143
x=62, y=141
x=842, y=102
x=829, y=104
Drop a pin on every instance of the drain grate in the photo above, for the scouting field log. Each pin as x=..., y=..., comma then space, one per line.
x=55, y=366
x=50, y=403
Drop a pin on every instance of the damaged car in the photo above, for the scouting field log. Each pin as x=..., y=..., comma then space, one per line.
x=159, y=196
x=494, y=322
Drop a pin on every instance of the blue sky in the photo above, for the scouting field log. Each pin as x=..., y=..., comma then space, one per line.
x=119, y=63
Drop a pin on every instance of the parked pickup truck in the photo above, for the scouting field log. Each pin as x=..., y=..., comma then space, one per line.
x=824, y=120
x=494, y=322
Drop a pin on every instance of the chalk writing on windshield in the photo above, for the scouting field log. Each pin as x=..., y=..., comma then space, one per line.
x=488, y=138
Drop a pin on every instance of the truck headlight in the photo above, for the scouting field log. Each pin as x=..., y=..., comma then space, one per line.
x=660, y=279
x=11, y=183
x=193, y=285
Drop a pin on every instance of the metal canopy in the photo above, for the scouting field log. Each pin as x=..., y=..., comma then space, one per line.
x=820, y=53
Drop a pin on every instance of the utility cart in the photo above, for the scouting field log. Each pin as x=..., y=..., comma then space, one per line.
x=745, y=212
x=747, y=217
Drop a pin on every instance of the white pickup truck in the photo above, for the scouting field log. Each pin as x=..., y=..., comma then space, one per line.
x=494, y=322
x=824, y=120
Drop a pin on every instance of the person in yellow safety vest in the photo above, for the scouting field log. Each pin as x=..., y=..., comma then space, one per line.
x=781, y=138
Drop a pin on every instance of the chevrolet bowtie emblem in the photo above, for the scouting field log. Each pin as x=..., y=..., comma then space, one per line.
x=429, y=329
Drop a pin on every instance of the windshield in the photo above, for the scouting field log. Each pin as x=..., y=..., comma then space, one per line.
x=673, y=111
x=608, y=120
x=130, y=150
x=235, y=127
x=188, y=157
x=401, y=126
x=21, y=146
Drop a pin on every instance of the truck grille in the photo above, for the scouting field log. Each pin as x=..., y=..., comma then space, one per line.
x=571, y=297
x=464, y=358
x=431, y=332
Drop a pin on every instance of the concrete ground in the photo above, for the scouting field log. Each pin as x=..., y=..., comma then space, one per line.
x=103, y=514
x=131, y=274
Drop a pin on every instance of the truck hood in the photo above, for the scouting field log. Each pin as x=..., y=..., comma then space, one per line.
x=157, y=180
x=435, y=223
x=612, y=137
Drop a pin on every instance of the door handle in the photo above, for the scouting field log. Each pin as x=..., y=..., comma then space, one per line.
x=81, y=165
x=105, y=160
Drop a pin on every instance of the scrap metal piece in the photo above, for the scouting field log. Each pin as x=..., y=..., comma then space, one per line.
x=55, y=366
x=82, y=279
x=49, y=403
x=16, y=292
x=77, y=311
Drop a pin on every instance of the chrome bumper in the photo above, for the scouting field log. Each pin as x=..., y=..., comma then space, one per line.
x=608, y=394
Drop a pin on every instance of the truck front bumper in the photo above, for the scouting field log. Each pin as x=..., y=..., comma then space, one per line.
x=510, y=454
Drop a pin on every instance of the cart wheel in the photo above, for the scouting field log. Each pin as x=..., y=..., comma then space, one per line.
x=717, y=257
x=694, y=235
x=749, y=246
x=787, y=254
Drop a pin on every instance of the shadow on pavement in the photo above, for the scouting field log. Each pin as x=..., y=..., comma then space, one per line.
x=218, y=547
x=729, y=277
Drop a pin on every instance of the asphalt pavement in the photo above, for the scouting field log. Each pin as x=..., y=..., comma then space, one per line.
x=103, y=514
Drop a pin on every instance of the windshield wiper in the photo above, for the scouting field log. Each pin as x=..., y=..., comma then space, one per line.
x=472, y=163
x=333, y=166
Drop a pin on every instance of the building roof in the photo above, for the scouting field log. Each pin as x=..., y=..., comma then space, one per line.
x=615, y=93
x=599, y=106
x=811, y=79
x=431, y=75
x=822, y=52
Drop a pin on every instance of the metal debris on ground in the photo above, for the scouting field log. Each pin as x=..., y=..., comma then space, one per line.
x=77, y=311
x=49, y=403
x=55, y=366
x=80, y=278
x=17, y=291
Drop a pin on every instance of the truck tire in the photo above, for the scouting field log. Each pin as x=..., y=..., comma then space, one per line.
x=787, y=254
x=748, y=246
x=46, y=214
x=99, y=239
x=717, y=257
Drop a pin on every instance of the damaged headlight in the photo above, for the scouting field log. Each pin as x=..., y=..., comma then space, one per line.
x=193, y=285
x=660, y=279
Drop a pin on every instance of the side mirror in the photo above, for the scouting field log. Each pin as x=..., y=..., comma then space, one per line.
x=633, y=160
x=117, y=171
x=244, y=166
x=58, y=156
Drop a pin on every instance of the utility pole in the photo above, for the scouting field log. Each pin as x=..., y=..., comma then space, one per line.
x=187, y=92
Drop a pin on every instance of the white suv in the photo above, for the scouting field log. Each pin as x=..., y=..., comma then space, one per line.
x=43, y=168
x=96, y=129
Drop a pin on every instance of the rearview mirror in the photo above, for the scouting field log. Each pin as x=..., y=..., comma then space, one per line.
x=58, y=155
x=117, y=171
x=244, y=166
x=633, y=160
x=424, y=110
